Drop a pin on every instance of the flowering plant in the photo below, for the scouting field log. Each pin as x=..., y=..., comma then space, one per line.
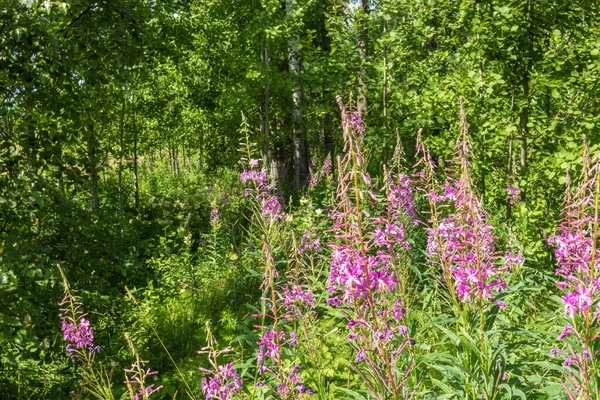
x=576, y=252
x=222, y=381
x=462, y=245
x=136, y=377
x=367, y=261
x=278, y=372
x=79, y=335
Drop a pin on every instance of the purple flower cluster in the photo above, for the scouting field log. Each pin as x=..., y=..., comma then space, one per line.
x=146, y=392
x=285, y=301
x=259, y=178
x=368, y=264
x=465, y=247
x=271, y=204
x=79, y=334
x=296, y=300
x=76, y=328
x=513, y=194
x=368, y=267
x=214, y=215
x=293, y=386
x=327, y=168
x=357, y=123
x=325, y=171
x=378, y=337
x=254, y=163
x=308, y=244
x=223, y=383
x=512, y=261
x=390, y=235
x=358, y=276
x=401, y=198
x=270, y=361
x=577, y=257
x=575, y=247
x=462, y=242
x=270, y=347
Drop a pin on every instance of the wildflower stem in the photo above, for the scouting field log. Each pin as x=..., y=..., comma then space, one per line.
x=190, y=393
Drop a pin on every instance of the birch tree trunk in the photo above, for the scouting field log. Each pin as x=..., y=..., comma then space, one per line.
x=301, y=170
x=270, y=159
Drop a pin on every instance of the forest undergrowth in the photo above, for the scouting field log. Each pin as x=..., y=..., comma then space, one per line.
x=188, y=210
x=394, y=286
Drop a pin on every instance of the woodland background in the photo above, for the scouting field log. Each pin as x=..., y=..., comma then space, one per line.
x=120, y=124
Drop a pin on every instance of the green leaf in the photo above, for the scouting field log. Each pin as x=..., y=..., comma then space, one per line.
x=351, y=393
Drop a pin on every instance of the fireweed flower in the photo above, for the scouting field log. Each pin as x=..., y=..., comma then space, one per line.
x=356, y=123
x=76, y=329
x=358, y=276
x=269, y=351
x=307, y=243
x=462, y=242
x=513, y=194
x=366, y=263
x=222, y=381
x=400, y=197
x=136, y=377
x=277, y=374
x=269, y=201
x=271, y=204
x=79, y=335
x=399, y=188
x=326, y=170
x=578, y=264
x=296, y=300
x=214, y=215
x=512, y=261
x=254, y=163
x=285, y=302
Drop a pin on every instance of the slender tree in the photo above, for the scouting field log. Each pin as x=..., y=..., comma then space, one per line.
x=301, y=170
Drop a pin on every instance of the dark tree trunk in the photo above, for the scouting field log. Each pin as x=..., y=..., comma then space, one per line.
x=121, y=134
x=92, y=167
x=136, y=184
x=301, y=170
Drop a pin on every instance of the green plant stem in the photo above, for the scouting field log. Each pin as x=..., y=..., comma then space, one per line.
x=190, y=393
